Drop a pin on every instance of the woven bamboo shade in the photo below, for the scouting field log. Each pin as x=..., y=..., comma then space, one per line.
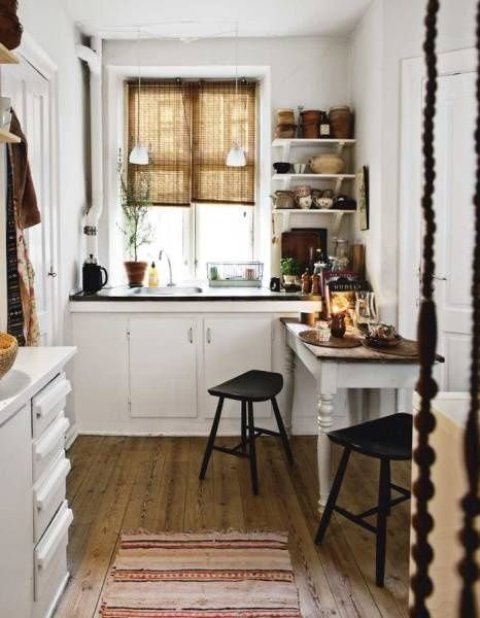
x=188, y=128
x=222, y=116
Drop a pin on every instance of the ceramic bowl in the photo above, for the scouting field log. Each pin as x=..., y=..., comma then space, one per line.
x=281, y=167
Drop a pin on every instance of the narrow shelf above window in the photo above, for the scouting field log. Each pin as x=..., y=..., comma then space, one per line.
x=8, y=138
x=6, y=56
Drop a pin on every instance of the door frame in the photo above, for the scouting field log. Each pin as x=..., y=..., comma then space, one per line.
x=413, y=76
x=36, y=56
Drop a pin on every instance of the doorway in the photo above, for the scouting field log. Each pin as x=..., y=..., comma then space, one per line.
x=31, y=92
x=455, y=159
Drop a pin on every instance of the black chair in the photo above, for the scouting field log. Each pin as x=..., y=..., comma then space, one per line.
x=248, y=387
x=388, y=438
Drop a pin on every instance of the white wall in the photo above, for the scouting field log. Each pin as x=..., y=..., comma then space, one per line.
x=52, y=29
x=308, y=71
x=391, y=31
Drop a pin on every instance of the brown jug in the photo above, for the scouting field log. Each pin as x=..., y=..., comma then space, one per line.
x=337, y=326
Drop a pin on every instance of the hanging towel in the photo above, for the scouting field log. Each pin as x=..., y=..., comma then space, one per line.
x=24, y=196
x=23, y=211
x=14, y=299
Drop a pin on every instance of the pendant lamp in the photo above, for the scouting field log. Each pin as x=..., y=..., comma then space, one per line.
x=139, y=153
x=236, y=155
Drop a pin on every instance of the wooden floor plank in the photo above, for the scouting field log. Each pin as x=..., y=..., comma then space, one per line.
x=152, y=484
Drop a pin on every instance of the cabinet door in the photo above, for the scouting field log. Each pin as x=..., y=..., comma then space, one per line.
x=16, y=527
x=163, y=368
x=234, y=345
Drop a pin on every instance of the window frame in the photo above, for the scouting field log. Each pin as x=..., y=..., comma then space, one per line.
x=110, y=242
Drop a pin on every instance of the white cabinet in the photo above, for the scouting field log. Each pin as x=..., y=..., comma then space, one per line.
x=162, y=366
x=233, y=345
x=16, y=522
x=33, y=471
x=149, y=373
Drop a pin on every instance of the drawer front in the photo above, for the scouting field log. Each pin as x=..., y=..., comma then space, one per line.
x=49, y=445
x=48, y=403
x=49, y=494
x=51, y=572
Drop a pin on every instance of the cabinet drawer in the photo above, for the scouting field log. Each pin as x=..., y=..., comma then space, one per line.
x=49, y=445
x=49, y=494
x=48, y=403
x=51, y=563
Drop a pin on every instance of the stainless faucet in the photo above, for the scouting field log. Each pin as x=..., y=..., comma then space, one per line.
x=162, y=253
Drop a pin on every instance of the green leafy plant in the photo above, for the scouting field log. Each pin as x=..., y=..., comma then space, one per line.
x=289, y=266
x=135, y=195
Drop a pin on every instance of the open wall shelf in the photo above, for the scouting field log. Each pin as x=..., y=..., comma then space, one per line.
x=6, y=56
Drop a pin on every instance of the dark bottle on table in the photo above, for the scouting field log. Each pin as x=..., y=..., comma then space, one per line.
x=337, y=326
x=306, y=281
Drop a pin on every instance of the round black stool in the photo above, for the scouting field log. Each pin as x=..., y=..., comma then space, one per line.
x=248, y=387
x=387, y=438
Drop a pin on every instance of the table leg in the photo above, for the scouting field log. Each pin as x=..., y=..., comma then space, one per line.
x=325, y=422
x=289, y=374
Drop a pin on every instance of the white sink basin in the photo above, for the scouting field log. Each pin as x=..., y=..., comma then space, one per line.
x=166, y=291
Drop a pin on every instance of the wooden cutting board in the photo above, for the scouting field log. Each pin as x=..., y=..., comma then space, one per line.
x=301, y=245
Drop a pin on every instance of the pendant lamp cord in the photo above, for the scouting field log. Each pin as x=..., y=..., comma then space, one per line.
x=469, y=537
x=138, y=87
x=424, y=455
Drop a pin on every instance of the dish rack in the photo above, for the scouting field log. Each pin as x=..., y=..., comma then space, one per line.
x=235, y=274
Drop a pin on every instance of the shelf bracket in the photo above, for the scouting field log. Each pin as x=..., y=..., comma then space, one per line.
x=340, y=147
x=338, y=185
x=337, y=223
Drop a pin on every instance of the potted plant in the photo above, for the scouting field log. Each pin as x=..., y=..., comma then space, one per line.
x=290, y=269
x=135, y=192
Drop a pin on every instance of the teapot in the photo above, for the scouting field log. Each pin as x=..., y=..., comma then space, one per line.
x=365, y=310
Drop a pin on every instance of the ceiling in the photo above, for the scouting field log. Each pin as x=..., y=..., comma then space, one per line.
x=193, y=19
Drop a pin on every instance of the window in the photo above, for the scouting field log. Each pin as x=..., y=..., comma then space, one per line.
x=202, y=209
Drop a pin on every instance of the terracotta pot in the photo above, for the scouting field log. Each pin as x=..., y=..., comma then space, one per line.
x=285, y=116
x=341, y=122
x=135, y=273
x=311, y=130
x=285, y=130
x=311, y=115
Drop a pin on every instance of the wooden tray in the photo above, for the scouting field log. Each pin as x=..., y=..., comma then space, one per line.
x=407, y=348
x=310, y=336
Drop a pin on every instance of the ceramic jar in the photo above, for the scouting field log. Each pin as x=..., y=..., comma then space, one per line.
x=303, y=196
x=341, y=122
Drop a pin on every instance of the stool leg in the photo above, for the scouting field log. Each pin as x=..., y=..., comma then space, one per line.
x=251, y=448
x=383, y=509
x=332, y=497
x=244, y=426
x=283, y=433
x=211, y=439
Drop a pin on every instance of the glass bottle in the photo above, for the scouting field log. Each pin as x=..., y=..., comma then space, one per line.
x=341, y=254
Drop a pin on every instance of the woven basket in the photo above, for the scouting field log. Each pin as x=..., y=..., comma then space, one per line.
x=8, y=352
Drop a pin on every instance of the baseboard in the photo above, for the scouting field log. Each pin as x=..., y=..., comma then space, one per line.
x=72, y=435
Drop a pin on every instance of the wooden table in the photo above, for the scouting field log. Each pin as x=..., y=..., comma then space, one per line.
x=335, y=369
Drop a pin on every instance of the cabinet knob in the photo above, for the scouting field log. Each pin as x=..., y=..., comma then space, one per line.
x=190, y=335
x=209, y=335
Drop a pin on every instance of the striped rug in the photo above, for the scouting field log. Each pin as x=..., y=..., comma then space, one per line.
x=209, y=575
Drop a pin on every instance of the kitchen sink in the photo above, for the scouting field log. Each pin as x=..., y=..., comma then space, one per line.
x=176, y=290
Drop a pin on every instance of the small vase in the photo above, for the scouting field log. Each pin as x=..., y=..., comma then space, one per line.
x=337, y=326
x=135, y=273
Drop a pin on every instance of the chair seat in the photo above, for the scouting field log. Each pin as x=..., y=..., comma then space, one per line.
x=253, y=385
x=389, y=436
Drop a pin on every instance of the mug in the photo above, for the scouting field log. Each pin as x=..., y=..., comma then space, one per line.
x=275, y=284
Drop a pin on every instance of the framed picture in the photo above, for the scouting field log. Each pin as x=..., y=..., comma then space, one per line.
x=362, y=198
